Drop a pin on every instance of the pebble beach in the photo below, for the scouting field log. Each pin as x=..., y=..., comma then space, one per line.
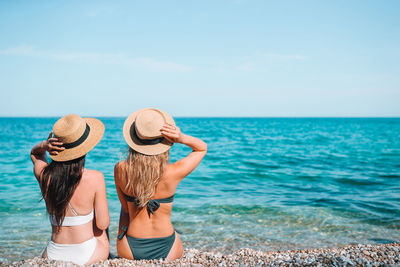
x=351, y=255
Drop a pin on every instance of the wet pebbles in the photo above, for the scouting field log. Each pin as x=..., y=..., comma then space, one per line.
x=352, y=255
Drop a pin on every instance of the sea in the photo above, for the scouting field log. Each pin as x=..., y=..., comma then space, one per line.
x=266, y=183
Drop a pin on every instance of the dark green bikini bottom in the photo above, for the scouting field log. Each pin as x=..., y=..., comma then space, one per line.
x=149, y=248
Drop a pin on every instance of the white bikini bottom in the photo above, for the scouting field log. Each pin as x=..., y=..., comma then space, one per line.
x=77, y=253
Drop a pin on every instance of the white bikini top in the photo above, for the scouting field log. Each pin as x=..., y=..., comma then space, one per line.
x=73, y=220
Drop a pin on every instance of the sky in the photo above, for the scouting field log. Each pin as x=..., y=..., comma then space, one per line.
x=200, y=58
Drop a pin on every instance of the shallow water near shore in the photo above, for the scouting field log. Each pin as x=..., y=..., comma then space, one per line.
x=266, y=183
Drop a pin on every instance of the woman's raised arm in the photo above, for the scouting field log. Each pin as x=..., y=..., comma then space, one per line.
x=38, y=153
x=183, y=167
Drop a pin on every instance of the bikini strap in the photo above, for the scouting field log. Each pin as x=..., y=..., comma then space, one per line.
x=73, y=211
x=131, y=199
x=124, y=231
x=166, y=200
x=153, y=204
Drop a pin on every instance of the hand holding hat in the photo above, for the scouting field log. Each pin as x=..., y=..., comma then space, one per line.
x=142, y=131
x=53, y=145
x=77, y=135
x=172, y=133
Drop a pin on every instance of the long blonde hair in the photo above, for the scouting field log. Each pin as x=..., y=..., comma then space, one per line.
x=143, y=174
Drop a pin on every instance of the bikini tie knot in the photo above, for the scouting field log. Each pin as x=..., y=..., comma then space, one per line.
x=153, y=205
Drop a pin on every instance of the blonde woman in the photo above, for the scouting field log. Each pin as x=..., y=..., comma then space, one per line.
x=146, y=185
x=75, y=197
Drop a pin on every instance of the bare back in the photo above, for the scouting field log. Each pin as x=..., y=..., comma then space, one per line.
x=143, y=224
x=89, y=195
x=82, y=201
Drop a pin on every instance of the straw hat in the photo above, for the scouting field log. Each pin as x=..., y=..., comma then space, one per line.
x=78, y=135
x=142, y=131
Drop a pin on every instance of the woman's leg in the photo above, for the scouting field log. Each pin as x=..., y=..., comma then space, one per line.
x=123, y=248
x=177, y=249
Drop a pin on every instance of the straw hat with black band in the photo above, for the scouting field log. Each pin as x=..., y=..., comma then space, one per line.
x=142, y=131
x=78, y=135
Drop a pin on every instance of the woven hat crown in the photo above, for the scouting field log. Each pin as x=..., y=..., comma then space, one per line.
x=69, y=128
x=149, y=123
x=142, y=131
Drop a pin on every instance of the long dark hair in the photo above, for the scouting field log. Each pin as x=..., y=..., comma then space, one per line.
x=58, y=183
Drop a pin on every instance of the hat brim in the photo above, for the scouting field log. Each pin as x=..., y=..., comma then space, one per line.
x=138, y=146
x=94, y=137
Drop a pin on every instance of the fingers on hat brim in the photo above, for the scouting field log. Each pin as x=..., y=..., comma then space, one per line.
x=96, y=133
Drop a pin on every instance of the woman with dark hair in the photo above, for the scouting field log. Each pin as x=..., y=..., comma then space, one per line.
x=146, y=185
x=75, y=197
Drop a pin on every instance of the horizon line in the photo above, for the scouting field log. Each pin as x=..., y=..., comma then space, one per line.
x=220, y=117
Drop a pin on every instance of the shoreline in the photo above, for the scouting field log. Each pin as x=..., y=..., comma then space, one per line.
x=350, y=255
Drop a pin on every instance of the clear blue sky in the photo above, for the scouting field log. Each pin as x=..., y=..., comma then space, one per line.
x=200, y=58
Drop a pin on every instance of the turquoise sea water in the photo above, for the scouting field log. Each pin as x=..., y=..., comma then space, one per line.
x=266, y=183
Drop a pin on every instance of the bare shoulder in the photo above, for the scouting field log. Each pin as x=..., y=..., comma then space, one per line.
x=119, y=169
x=94, y=173
x=170, y=172
x=168, y=169
x=120, y=165
x=93, y=176
x=171, y=169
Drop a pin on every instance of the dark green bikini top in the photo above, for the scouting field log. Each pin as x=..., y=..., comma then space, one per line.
x=153, y=204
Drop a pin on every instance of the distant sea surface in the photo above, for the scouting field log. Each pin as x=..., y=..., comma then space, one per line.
x=265, y=183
